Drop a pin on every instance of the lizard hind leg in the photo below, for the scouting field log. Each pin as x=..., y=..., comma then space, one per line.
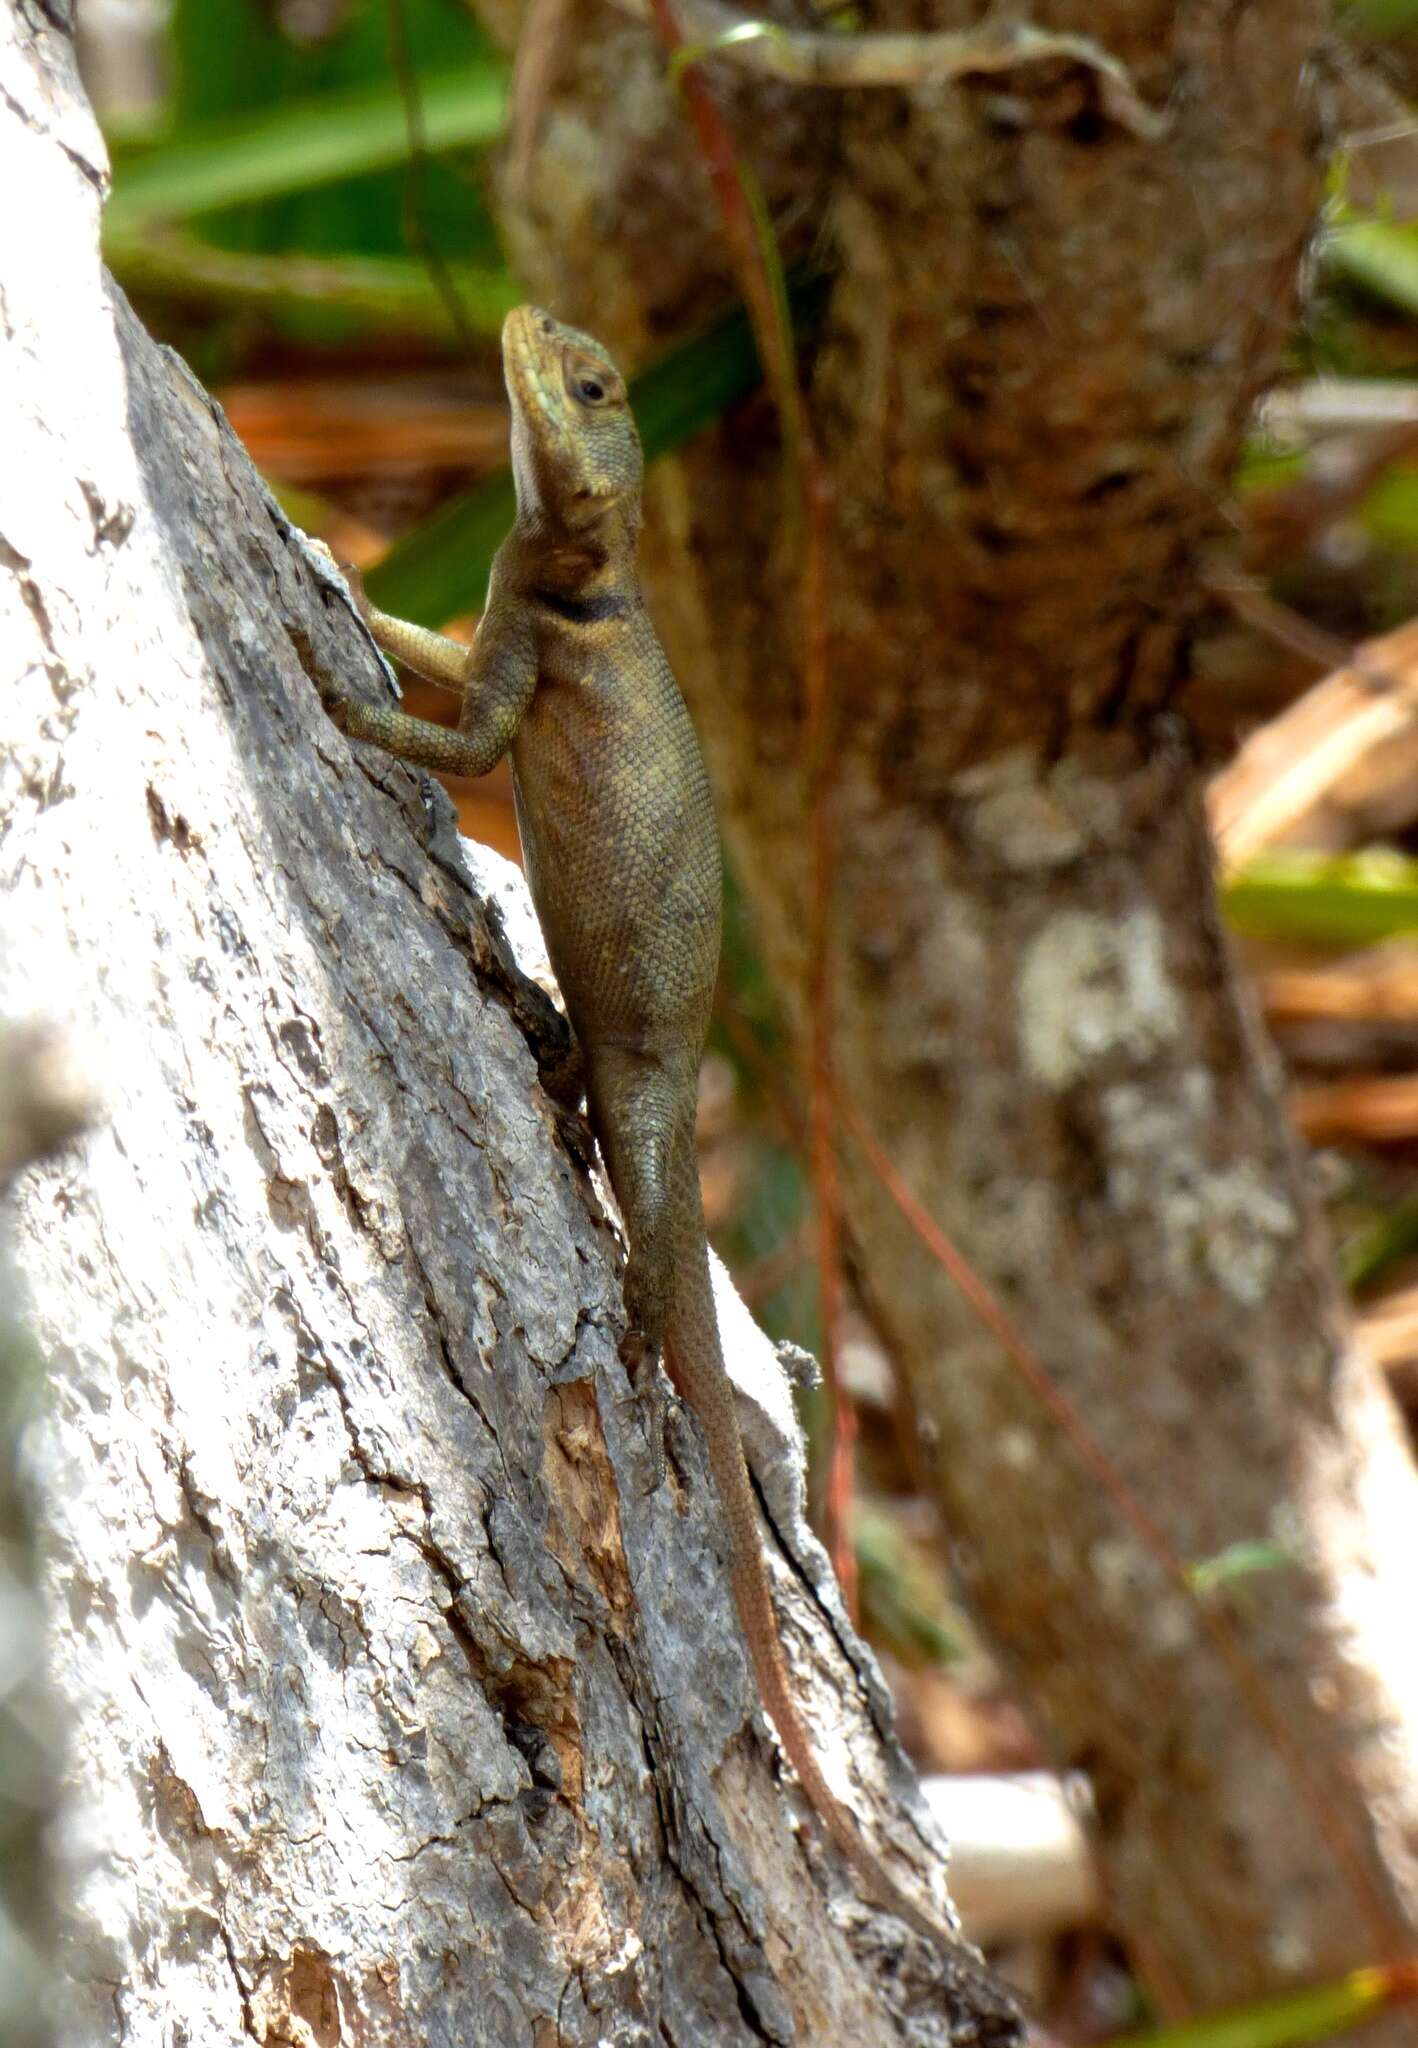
x=637, y=1110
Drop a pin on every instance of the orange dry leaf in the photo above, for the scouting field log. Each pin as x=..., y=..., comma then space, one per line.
x=1374, y=1109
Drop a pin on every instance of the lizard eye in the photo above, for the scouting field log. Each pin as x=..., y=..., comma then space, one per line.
x=591, y=389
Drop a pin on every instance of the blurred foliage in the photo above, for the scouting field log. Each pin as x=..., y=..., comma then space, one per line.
x=1317, y=2015
x=1380, y=17
x=1367, y=1253
x=1390, y=511
x=289, y=153
x=902, y=1594
x=1379, y=255
x=1238, y=1562
x=272, y=148
x=1319, y=900
x=1266, y=466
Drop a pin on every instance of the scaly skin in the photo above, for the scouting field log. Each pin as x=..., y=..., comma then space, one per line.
x=622, y=857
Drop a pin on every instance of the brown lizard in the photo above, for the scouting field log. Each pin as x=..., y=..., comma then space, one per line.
x=622, y=856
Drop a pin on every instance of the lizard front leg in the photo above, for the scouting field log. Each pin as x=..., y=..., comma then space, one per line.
x=434, y=655
x=497, y=676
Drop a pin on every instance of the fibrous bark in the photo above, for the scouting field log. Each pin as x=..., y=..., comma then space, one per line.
x=1043, y=339
x=399, y=1709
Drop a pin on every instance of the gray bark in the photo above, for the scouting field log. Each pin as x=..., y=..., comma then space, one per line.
x=399, y=1710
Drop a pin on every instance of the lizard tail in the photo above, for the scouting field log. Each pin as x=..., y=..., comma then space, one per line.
x=697, y=1367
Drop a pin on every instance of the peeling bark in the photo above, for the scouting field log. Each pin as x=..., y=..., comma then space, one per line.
x=1043, y=339
x=399, y=1710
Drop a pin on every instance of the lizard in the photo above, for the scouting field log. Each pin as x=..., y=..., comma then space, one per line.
x=621, y=850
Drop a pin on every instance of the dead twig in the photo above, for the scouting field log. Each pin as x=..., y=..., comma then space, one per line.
x=546, y=28
x=821, y=58
x=1278, y=622
x=1338, y=767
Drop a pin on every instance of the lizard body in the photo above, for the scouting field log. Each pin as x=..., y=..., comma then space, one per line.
x=622, y=856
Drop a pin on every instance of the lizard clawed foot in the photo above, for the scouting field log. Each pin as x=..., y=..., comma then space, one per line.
x=355, y=579
x=641, y=1360
x=353, y=576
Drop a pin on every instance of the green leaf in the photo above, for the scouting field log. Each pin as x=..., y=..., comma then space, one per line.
x=1237, y=1561
x=235, y=60
x=1303, y=2016
x=311, y=142
x=440, y=569
x=1265, y=467
x=1375, y=1245
x=1323, y=901
x=1380, y=256
x=394, y=292
x=1380, y=17
x=1390, y=512
x=900, y=1595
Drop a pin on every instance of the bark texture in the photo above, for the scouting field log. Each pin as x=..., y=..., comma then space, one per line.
x=1043, y=340
x=399, y=1711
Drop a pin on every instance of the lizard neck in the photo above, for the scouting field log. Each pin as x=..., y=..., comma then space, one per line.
x=590, y=563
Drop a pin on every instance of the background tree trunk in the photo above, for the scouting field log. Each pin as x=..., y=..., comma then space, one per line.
x=1043, y=340
x=400, y=1710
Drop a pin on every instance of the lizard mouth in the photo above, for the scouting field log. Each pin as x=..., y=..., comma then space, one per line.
x=525, y=320
x=528, y=355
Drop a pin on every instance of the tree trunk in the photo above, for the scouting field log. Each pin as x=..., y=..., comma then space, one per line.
x=400, y=1710
x=1043, y=340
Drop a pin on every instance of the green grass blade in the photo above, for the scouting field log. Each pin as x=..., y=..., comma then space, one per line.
x=1322, y=901
x=312, y=142
x=1378, y=255
x=1303, y=2016
x=1243, y=1560
x=440, y=569
x=393, y=292
x=1380, y=17
x=1373, y=1247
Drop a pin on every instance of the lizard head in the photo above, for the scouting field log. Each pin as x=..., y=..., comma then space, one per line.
x=575, y=452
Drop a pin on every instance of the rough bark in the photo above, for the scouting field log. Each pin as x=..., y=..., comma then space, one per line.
x=1043, y=340
x=400, y=1710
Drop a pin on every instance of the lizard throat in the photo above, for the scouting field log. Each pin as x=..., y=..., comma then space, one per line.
x=584, y=611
